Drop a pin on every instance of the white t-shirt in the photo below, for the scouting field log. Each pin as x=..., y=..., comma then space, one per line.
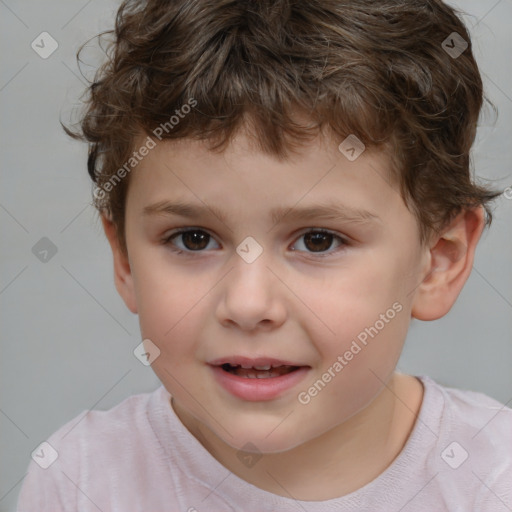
x=138, y=456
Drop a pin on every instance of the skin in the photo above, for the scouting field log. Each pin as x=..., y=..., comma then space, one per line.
x=287, y=304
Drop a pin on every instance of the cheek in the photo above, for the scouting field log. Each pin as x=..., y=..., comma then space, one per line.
x=353, y=300
x=167, y=300
x=364, y=322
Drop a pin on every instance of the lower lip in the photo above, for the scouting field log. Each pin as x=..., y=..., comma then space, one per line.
x=255, y=390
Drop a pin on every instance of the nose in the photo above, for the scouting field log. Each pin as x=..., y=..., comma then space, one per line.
x=252, y=297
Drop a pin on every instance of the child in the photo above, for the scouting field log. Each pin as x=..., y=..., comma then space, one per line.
x=318, y=151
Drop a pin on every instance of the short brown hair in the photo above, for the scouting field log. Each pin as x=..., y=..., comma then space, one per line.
x=377, y=70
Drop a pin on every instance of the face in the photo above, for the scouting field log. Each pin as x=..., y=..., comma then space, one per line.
x=239, y=259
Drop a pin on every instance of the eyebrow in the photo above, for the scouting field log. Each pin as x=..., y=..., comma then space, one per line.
x=326, y=211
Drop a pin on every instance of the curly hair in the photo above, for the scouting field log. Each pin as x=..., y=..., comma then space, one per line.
x=381, y=71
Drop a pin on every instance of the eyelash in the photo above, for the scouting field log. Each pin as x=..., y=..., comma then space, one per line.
x=168, y=242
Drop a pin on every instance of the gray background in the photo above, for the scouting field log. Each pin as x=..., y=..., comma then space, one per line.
x=67, y=337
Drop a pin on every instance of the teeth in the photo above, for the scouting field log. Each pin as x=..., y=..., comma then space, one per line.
x=258, y=372
x=263, y=367
x=262, y=374
x=259, y=375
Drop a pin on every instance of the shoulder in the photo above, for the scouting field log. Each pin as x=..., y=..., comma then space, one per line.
x=473, y=410
x=466, y=414
x=472, y=455
x=94, y=428
x=91, y=441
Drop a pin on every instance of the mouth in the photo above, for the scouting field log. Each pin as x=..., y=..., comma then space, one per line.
x=257, y=368
x=267, y=371
x=256, y=379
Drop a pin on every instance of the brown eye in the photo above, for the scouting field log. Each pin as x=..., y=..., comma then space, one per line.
x=320, y=241
x=195, y=240
x=317, y=242
x=192, y=240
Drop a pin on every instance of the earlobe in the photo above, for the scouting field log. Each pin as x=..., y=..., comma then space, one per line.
x=450, y=264
x=122, y=272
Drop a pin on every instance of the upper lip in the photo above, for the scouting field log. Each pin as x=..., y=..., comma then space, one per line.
x=252, y=362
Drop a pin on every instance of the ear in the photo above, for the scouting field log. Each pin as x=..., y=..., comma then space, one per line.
x=122, y=272
x=450, y=258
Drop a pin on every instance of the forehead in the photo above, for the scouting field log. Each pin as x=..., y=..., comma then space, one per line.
x=316, y=174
